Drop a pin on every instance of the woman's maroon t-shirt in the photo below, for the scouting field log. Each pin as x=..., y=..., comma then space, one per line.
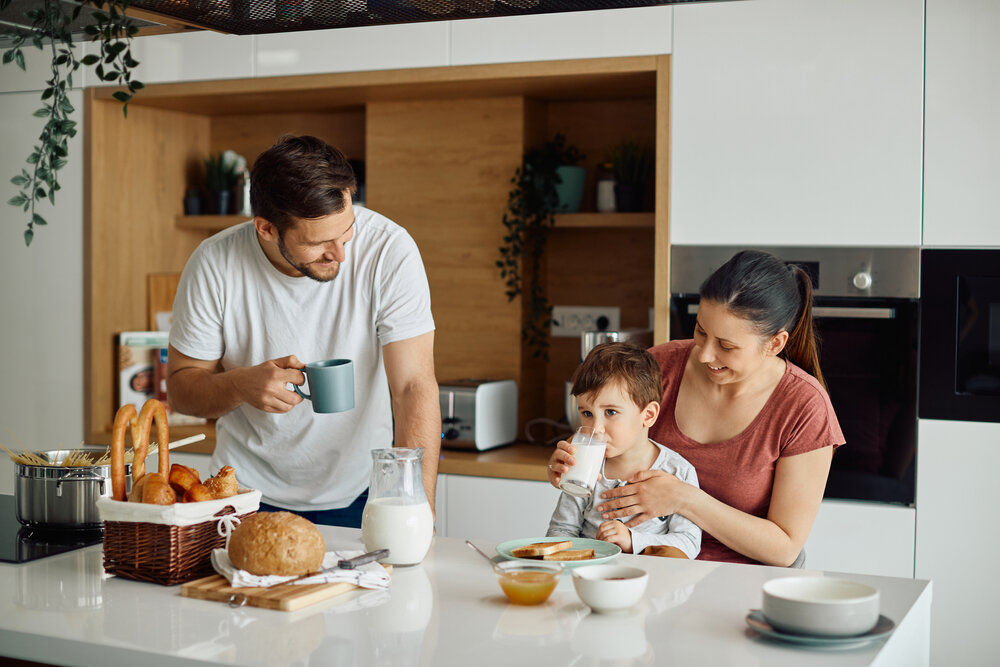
x=797, y=418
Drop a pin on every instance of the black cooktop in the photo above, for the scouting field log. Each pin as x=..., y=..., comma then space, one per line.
x=20, y=544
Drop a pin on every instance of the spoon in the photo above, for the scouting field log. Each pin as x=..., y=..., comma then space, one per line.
x=480, y=552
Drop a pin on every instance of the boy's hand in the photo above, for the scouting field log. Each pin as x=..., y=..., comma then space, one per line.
x=560, y=462
x=614, y=531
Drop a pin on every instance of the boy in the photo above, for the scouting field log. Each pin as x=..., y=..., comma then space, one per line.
x=618, y=390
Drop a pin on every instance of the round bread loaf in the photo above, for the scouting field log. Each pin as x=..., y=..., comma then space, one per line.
x=277, y=543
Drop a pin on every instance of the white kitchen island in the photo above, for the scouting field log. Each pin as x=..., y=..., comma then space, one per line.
x=448, y=610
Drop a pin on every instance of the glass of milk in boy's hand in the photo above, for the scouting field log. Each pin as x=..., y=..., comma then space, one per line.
x=581, y=479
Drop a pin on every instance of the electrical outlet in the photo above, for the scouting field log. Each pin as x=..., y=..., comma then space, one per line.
x=571, y=321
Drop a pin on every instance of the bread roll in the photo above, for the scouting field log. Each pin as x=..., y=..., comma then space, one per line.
x=279, y=543
x=224, y=484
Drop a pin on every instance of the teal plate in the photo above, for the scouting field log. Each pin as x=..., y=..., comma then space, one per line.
x=882, y=629
x=603, y=551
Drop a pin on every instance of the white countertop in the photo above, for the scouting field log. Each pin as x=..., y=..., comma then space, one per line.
x=448, y=610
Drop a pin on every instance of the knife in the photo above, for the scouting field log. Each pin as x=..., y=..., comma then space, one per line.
x=358, y=561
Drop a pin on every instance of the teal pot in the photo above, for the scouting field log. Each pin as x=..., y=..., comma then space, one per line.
x=570, y=190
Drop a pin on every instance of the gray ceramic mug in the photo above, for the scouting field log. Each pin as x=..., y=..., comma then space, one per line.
x=331, y=384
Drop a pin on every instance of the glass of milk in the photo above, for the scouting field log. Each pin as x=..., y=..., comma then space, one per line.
x=397, y=515
x=581, y=479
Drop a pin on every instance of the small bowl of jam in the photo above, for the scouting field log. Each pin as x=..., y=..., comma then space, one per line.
x=528, y=583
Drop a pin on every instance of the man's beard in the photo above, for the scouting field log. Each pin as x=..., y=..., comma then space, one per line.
x=304, y=269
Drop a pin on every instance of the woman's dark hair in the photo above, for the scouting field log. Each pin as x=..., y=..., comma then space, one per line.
x=773, y=296
x=623, y=362
x=299, y=177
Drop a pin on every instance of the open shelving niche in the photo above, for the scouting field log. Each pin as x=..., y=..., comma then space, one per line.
x=440, y=146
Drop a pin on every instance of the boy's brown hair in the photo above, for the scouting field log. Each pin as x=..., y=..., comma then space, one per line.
x=624, y=362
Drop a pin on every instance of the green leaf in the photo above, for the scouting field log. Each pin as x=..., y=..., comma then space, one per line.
x=39, y=193
x=28, y=235
x=89, y=59
x=8, y=56
x=17, y=200
x=121, y=96
x=47, y=93
x=41, y=113
x=38, y=220
x=137, y=85
x=111, y=76
x=19, y=60
x=19, y=180
x=59, y=163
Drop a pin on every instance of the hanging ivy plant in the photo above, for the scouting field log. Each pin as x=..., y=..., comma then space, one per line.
x=50, y=29
x=531, y=205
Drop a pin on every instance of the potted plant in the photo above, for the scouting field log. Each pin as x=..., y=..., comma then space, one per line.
x=50, y=30
x=632, y=164
x=222, y=173
x=531, y=204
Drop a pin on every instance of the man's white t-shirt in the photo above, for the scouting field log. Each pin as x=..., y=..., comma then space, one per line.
x=233, y=304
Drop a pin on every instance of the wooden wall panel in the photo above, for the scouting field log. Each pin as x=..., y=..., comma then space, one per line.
x=136, y=175
x=595, y=267
x=441, y=169
x=252, y=134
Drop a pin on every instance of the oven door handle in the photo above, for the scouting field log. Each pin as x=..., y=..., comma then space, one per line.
x=834, y=312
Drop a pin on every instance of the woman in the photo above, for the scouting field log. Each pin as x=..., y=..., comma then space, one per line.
x=745, y=403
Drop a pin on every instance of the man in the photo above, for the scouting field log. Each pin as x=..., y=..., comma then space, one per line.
x=310, y=278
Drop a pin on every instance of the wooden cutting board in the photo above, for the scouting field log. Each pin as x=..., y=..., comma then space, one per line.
x=284, y=597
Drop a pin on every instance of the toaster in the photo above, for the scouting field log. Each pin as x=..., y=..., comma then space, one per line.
x=478, y=414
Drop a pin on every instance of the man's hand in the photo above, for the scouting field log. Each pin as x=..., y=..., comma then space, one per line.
x=264, y=386
x=615, y=532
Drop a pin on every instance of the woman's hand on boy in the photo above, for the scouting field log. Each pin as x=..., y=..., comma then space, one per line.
x=560, y=461
x=651, y=493
x=615, y=532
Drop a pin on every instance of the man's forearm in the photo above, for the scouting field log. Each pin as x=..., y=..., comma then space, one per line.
x=418, y=424
x=202, y=393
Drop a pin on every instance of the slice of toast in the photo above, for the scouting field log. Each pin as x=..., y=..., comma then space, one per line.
x=570, y=554
x=539, y=549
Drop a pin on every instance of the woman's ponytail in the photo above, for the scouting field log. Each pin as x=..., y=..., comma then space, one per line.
x=802, y=348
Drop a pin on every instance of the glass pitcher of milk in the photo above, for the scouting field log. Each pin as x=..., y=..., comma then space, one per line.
x=397, y=515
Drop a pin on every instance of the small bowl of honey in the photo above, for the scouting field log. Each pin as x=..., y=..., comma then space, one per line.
x=528, y=583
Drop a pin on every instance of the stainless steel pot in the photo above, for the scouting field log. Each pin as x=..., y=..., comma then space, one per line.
x=56, y=496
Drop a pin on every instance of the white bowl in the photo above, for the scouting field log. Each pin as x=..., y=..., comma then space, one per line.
x=607, y=588
x=820, y=606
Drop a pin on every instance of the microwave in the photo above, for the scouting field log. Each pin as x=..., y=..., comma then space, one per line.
x=959, y=374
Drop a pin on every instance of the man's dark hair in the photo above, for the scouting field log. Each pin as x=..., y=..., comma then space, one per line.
x=299, y=178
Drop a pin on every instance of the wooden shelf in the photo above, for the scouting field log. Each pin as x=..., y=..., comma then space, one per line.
x=643, y=220
x=208, y=223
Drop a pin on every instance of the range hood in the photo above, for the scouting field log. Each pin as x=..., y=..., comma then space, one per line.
x=255, y=17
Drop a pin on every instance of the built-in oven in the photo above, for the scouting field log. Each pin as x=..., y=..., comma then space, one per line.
x=866, y=307
x=960, y=335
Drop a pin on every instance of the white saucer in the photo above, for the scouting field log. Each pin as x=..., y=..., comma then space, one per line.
x=883, y=628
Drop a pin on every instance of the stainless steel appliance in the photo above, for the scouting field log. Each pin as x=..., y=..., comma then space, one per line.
x=866, y=308
x=478, y=414
x=960, y=334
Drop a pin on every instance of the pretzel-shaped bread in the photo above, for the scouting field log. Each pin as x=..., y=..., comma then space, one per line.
x=140, y=426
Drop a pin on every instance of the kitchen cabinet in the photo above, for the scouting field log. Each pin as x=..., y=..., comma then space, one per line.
x=586, y=34
x=961, y=136
x=440, y=146
x=487, y=508
x=862, y=538
x=797, y=122
x=193, y=56
x=957, y=539
x=41, y=296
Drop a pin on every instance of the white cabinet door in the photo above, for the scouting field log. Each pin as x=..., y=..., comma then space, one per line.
x=489, y=508
x=587, y=34
x=957, y=536
x=863, y=538
x=797, y=122
x=961, y=170
x=196, y=56
x=41, y=293
x=352, y=49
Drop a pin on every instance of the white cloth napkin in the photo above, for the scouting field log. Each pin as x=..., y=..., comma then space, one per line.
x=369, y=575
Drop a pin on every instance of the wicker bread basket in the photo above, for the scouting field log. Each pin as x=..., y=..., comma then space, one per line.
x=169, y=544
